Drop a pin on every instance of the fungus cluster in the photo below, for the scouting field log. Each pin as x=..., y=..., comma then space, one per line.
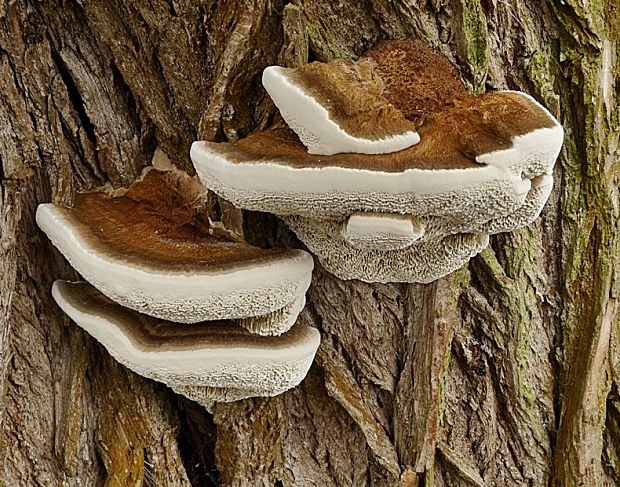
x=179, y=299
x=389, y=170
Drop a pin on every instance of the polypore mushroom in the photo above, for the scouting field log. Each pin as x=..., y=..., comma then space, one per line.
x=151, y=248
x=338, y=107
x=477, y=169
x=214, y=361
x=382, y=232
x=425, y=260
x=464, y=162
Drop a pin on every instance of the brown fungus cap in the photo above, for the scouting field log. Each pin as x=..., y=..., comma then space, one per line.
x=218, y=355
x=417, y=79
x=337, y=107
x=450, y=139
x=160, y=221
x=152, y=248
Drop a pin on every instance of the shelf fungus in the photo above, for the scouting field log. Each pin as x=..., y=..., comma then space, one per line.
x=152, y=249
x=483, y=164
x=338, y=107
x=207, y=362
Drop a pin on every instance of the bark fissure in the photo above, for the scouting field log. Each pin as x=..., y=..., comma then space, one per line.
x=504, y=373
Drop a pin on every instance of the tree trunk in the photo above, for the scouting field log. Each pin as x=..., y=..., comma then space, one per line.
x=505, y=373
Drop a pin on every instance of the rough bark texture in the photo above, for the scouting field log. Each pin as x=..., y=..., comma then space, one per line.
x=505, y=373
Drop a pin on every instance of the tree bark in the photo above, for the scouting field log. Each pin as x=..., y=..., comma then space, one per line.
x=506, y=372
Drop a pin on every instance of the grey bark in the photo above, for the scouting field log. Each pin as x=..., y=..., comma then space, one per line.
x=505, y=373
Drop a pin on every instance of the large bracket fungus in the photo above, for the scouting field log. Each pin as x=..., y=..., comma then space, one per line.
x=416, y=212
x=152, y=249
x=207, y=362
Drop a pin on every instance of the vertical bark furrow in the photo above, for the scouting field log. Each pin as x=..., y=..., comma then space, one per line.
x=505, y=373
x=591, y=239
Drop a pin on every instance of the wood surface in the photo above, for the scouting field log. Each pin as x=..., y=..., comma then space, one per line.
x=505, y=373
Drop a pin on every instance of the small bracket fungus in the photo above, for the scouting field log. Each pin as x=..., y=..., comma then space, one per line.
x=207, y=362
x=151, y=249
x=483, y=165
x=338, y=107
x=377, y=231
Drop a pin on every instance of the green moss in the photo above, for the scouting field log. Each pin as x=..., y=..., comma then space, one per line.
x=459, y=280
x=523, y=260
x=519, y=285
x=577, y=22
x=330, y=46
x=573, y=199
x=523, y=354
x=490, y=259
x=476, y=34
x=595, y=15
x=539, y=72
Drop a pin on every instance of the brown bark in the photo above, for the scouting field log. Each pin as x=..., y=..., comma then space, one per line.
x=505, y=373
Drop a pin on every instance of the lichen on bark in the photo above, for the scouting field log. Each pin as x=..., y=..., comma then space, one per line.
x=504, y=373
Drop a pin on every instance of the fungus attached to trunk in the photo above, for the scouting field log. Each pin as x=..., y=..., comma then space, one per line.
x=151, y=248
x=425, y=260
x=377, y=231
x=463, y=158
x=338, y=107
x=213, y=361
x=483, y=165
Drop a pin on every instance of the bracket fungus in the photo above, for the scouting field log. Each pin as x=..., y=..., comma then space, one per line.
x=152, y=249
x=483, y=165
x=207, y=362
x=381, y=231
x=338, y=107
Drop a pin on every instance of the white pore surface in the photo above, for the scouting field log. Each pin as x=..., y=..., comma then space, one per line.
x=208, y=396
x=279, y=321
x=312, y=122
x=185, y=297
x=381, y=231
x=445, y=244
x=424, y=261
x=233, y=366
x=531, y=209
